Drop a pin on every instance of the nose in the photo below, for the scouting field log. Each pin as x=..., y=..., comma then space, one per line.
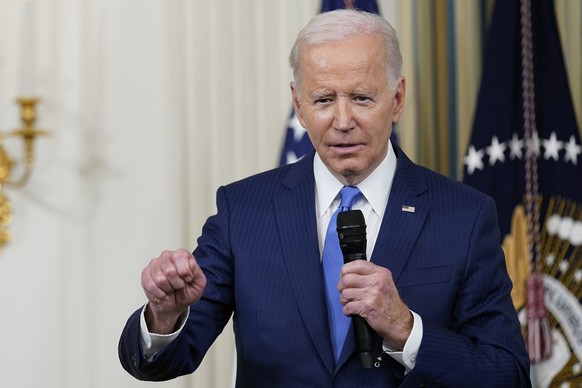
x=343, y=115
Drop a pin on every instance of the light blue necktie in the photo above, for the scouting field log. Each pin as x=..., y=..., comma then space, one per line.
x=332, y=261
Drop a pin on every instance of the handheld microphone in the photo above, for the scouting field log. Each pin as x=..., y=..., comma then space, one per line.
x=351, y=229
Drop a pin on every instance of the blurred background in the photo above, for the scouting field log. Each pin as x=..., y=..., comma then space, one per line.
x=150, y=106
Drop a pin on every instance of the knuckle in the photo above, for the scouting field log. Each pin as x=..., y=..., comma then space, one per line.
x=169, y=271
x=160, y=280
x=181, y=254
x=367, y=305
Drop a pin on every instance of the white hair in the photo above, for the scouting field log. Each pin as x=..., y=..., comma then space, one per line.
x=343, y=24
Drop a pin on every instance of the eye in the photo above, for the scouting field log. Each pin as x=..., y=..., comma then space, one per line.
x=361, y=98
x=323, y=101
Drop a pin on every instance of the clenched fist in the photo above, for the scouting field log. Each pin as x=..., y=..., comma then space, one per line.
x=171, y=283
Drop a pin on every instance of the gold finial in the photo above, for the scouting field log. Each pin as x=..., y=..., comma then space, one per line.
x=28, y=133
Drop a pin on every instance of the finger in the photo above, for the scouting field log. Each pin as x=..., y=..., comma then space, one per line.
x=181, y=259
x=357, y=300
x=155, y=299
x=164, y=275
x=175, y=269
x=197, y=273
x=361, y=267
x=171, y=277
x=149, y=285
x=349, y=294
x=370, y=272
x=357, y=281
x=356, y=307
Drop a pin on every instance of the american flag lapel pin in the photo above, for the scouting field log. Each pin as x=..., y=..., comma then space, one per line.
x=408, y=208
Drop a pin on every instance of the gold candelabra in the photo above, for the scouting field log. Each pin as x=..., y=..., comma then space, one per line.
x=28, y=133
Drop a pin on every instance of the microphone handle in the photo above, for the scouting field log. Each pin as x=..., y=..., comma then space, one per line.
x=362, y=330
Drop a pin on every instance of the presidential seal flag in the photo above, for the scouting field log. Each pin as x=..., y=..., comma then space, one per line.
x=297, y=143
x=525, y=152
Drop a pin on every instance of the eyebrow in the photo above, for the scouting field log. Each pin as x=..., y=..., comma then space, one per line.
x=321, y=94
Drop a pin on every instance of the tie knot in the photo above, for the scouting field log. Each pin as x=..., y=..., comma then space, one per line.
x=348, y=196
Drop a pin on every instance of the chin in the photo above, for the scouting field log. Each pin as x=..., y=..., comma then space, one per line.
x=350, y=175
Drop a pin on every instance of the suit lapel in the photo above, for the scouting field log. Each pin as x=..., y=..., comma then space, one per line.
x=296, y=221
x=404, y=218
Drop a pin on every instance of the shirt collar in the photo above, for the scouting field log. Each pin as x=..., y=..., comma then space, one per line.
x=375, y=188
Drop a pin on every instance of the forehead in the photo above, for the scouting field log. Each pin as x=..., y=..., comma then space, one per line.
x=349, y=62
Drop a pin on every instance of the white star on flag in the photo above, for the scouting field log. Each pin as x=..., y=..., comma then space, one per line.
x=515, y=146
x=572, y=151
x=496, y=151
x=298, y=130
x=552, y=146
x=533, y=145
x=473, y=160
x=292, y=157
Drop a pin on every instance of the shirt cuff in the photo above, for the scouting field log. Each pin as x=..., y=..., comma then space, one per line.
x=152, y=343
x=407, y=357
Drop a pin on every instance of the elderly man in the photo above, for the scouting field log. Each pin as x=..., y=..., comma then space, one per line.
x=434, y=292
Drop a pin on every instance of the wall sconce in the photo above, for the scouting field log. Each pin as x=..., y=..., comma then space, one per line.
x=28, y=133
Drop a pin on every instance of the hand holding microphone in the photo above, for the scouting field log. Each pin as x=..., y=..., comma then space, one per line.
x=368, y=292
x=351, y=228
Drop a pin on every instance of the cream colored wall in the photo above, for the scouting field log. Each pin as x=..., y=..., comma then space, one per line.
x=151, y=105
x=105, y=195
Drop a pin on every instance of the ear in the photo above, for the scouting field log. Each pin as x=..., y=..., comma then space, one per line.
x=399, y=99
x=297, y=104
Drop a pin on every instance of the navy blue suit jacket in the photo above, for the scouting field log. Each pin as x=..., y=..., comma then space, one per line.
x=261, y=258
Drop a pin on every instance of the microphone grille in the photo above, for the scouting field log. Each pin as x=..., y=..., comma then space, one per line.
x=351, y=231
x=350, y=218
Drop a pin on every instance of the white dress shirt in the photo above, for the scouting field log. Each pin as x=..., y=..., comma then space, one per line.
x=376, y=190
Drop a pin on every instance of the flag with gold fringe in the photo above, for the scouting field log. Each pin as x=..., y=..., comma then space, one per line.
x=525, y=152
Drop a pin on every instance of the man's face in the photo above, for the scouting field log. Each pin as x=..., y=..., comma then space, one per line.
x=347, y=106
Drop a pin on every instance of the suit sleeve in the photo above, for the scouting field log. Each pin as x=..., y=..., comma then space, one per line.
x=207, y=317
x=484, y=346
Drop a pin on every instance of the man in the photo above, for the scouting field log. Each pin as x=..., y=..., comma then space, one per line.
x=435, y=291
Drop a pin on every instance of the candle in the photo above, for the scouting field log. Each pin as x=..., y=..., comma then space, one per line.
x=27, y=49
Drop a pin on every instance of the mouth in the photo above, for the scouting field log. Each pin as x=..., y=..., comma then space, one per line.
x=346, y=148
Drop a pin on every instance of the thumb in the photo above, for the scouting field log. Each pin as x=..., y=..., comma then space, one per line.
x=194, y=269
